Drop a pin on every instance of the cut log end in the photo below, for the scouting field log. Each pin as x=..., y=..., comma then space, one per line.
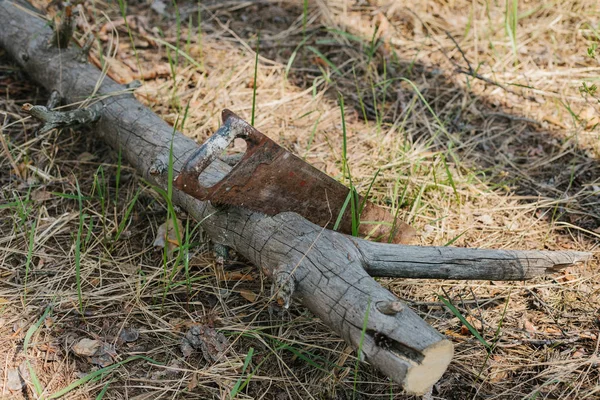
x=422, y=376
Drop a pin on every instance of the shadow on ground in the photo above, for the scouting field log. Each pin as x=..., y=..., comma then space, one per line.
x=506, y=149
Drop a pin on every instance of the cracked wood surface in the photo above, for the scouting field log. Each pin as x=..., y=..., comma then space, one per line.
x=327, y=266
x=434, y=262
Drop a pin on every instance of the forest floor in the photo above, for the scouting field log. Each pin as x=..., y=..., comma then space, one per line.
x=482, y=120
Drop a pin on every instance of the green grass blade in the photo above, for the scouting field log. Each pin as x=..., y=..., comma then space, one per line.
x=33, y=328
x=10, y=205
x=125, y=218
x=450, y=178
x=98, y=374
x=294, y=55
x=308, y=360
x=29, y=256
x=179, y=52
x=364, y=200
x=338, y=221
x=462, y=319
x=312, y=136
x=455, y=238
x=304, y=17
x=322, y=57
x=236, y=387
x=103, y=391
x=37, y=385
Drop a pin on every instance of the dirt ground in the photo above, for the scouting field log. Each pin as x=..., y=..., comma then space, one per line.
x=481, y=118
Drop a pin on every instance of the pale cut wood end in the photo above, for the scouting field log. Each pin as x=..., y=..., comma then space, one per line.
x=422, y=376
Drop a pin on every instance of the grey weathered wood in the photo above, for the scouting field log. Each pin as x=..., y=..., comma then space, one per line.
x=329, y=270
x=327, y=267
x=392, y=260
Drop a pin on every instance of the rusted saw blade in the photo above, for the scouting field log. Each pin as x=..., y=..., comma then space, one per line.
x=271, y=180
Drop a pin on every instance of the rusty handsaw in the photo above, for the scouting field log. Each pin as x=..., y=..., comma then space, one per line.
x=269, y=179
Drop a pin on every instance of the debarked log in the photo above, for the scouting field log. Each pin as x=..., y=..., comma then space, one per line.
x=436, y=262
x=325, y=270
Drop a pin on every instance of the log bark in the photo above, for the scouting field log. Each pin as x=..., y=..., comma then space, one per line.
x=324, y=269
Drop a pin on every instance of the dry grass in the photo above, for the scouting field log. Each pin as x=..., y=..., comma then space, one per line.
x=509, y=167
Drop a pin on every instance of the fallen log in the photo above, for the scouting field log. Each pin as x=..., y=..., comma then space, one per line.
x=325, y=270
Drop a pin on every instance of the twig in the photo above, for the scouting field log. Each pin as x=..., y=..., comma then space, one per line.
x=63, y=30
x=85, y=48
x=470, y=72
x=61, y=119
x=511, y=117
x=462, y=53
x=8, y=155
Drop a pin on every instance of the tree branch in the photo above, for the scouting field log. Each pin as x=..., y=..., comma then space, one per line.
x=400, y=261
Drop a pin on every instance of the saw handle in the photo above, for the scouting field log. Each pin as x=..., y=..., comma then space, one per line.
x=233, y=127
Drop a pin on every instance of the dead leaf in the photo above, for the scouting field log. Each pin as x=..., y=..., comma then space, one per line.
x=13, y=380
x=536, y=151
x=86, y=347
x=590, y=116
x=588, y=335
x=213, y=344
x=566, y=277
x=167, y=235
x=49, y=322
x=236, y=276
x=485, y=219
x=128, y=335
x=497, y=373
x=40, y=195
x=555, y=121
x=475, y=323
x=86, y=157
x=248, y=295
x=22, y=169
x=193, y=383
x=116, y=70
x=97, y=352
x=383, y=25
x=104, y=356
x=579, y=353
x=159, y=7
x=528, y=326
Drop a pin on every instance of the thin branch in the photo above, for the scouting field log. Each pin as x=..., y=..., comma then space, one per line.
x=61, y=119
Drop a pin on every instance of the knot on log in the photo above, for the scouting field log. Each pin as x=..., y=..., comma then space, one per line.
x=390, y=307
